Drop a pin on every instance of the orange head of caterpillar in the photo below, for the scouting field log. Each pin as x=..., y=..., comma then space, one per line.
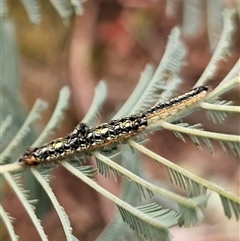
x=28, y=158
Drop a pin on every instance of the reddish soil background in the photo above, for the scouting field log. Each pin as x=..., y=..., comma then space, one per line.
x=114, y=40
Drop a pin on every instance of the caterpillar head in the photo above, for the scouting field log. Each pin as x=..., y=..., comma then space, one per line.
x=29, y=158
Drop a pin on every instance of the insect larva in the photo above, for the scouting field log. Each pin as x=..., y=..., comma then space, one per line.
x=162, y=111
x=116, y=131
x=84, y=140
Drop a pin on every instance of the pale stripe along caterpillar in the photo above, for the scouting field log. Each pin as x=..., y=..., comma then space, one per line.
x=84, y=140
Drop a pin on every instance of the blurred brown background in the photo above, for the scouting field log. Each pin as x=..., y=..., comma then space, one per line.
x=114, y=40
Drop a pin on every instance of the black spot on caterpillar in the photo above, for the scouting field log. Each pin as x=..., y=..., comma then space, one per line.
x=84, y=139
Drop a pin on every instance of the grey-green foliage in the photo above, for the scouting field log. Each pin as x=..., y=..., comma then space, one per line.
x=9, y=84
x=10, y=101
x=148, y=219
x=64, y=8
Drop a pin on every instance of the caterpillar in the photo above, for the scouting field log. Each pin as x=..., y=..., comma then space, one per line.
x=84, y=139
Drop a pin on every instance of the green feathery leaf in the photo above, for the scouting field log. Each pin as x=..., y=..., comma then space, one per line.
x=27, y=206
x=5, y=125
x=193, y=184
x=230, y=206
x=143, y=83
x=214, y=21
x=193, y=188
x=229, y=82
x=168, y=68
x=142, y=220
x=3, y=8
x=105, y=168
x=7, y=220
x=147, y=189
x=33, y=115
x=44, y=181
x=88, y=171
x=33, y=10
x=64, y=9
x=77, y=5
x=152, y=212
x=193, y=17
x=223, y=48
x=217, y=111
x=232, y=141
x=193, y=216
x=56, y=117
x=116, y=228
x=96, y=105
x=104, y=164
